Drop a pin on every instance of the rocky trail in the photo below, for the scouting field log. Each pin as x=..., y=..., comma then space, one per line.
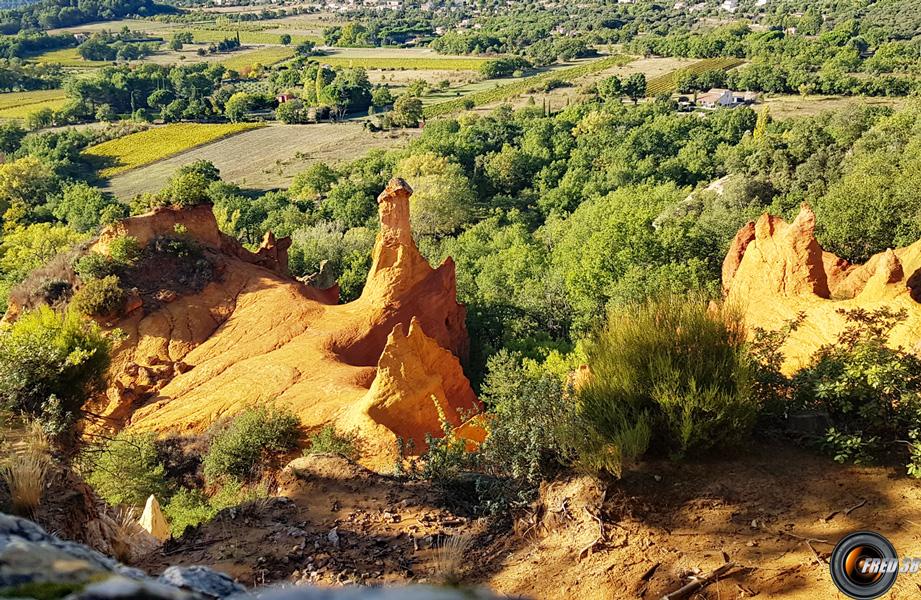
x=775, y=512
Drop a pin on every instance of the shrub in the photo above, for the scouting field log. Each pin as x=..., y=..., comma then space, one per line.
x=93, y=266
x=871, y=392
x=99, y=297
x=240, y=449
x=50, y=363
x=178, y=246
x=526, y=407
x=190, y=507
x=327, y=441
x=125, y=470
x=669, y=370
x=125, y=250
x=187, y=508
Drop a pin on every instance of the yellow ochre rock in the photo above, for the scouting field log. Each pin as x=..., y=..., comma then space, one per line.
x=775, y=270
x=256, y=336
x=153, y=521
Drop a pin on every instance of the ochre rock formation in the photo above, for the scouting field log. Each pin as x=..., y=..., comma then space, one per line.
x=152, y=520
x=418, y=383
x=775, y=270
x=256, y=336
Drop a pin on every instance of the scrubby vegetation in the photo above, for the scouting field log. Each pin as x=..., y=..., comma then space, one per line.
x=328, y=441
x=670, y=374
x=242, y=447
x=126, y=470
x=50, y=364
x=870, y=392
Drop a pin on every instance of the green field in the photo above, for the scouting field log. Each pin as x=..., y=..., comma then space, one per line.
x=407, y=64
x=157, y=143
x=521, y=86
x=209, y=36
x=264, y=56
x=17, y=99
x=665, y=84
x=66, y=57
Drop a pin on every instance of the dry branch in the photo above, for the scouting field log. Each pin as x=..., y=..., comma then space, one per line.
x=699, y=583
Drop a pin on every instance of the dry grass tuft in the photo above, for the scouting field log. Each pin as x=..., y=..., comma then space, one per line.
x=448, y=559
x=129, y=535
x=24, y=467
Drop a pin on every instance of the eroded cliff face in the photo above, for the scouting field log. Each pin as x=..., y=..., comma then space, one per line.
x=775, y=270
x=255, y=336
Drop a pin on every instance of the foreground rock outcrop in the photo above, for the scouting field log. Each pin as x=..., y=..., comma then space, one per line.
x=775, y=270
x=36, y=564
x=255, y=336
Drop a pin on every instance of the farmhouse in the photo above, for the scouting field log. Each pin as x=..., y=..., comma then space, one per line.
x=719, y=97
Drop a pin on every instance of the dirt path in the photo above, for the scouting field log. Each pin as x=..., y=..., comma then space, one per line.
x=679, y=519
x=264, y=158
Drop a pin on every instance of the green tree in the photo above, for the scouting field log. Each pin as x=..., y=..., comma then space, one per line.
x=285, y=39
x=381, y=97
x=238, y=106
x=126, y=470
x=443, y=197
x=84, y=207
x=292, y=111
x=25, y=184
x=313, y=182
x=407, y=111
x=635, y=86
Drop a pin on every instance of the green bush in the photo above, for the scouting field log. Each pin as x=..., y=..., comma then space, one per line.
x=125, y=250
x=50, y=364
x=526, y=408
x=94, y=266
x=241, y=448
x=125, y=470
x=327, y=441
x=871, y=392
x=99, y=297
x=190, y=507
x=668, y=371
x=187, y=508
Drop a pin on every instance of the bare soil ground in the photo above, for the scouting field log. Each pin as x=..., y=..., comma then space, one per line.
x=264, y=158
x=640, y=537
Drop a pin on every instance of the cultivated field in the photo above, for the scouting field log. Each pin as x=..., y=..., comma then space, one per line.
x=157, y=143
x=665, y=84
x=408, y=64
x=17, y=99
x=23, y=112
x=494, y=91
x=67, y=57
x=265, y=158
x=206, y=36
x=263, y=56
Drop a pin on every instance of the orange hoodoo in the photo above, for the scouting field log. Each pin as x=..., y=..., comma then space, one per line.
x=775, y=270
x=382, y=366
